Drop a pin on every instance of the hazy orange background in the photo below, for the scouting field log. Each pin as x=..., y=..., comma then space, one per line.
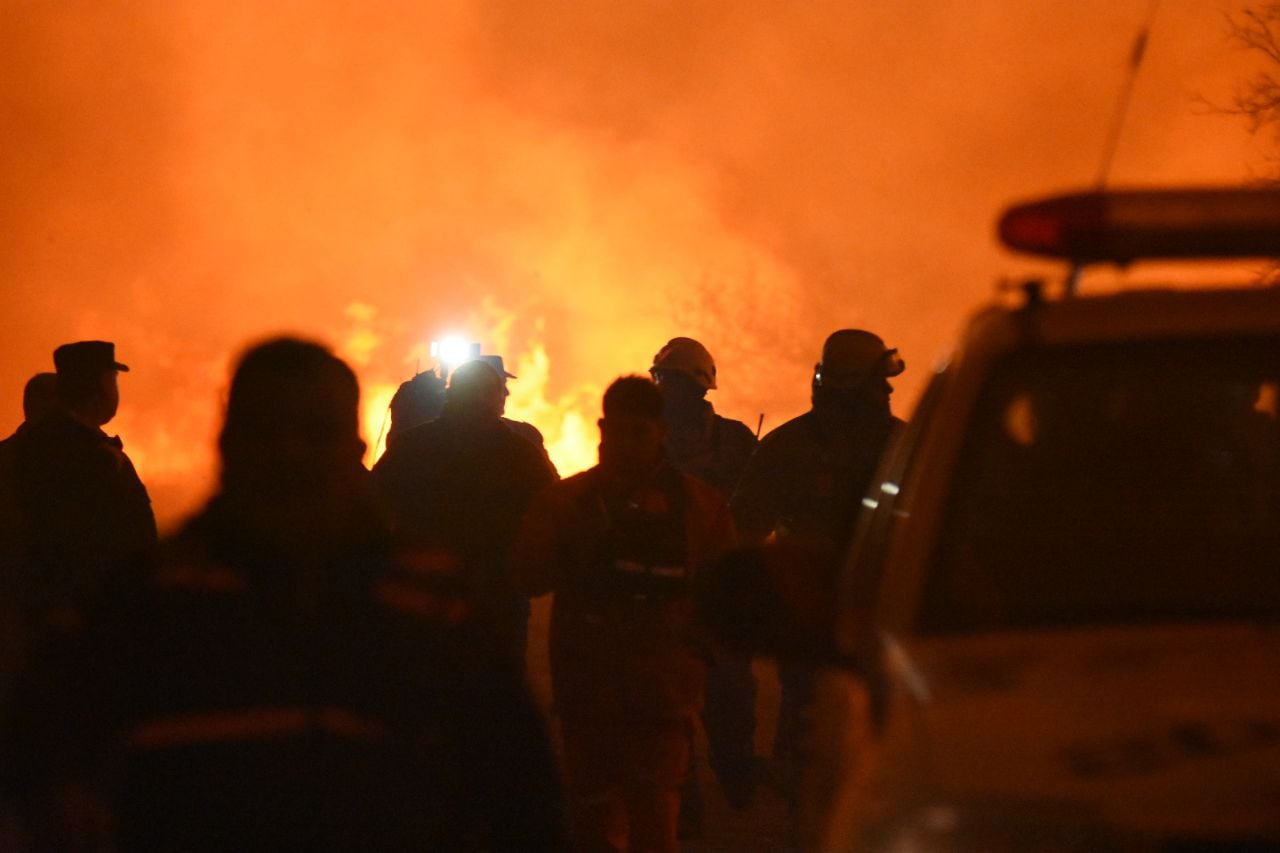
x=569, y=183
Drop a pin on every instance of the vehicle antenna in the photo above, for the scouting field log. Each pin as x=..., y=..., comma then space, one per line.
x=1126, y=95
x=1118, y=116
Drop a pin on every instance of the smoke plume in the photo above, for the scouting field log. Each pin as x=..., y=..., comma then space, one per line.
x=569, y=183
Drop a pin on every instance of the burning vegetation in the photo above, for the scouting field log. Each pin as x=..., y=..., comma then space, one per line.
x=570, y=185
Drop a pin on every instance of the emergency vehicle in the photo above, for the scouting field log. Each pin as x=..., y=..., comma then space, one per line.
x=1057, y=624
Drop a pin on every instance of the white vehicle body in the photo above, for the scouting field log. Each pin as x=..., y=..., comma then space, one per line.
x=1130, y=718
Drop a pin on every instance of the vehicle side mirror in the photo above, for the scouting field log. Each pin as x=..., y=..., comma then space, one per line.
x=775, y=600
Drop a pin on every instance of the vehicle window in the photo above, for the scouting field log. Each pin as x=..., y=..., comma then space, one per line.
x=1114, y=484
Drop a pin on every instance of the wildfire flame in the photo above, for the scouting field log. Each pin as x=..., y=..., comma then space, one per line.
x=569, y=184
x=566, y=420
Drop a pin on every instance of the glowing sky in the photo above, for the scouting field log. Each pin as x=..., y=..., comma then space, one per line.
x=569, y=183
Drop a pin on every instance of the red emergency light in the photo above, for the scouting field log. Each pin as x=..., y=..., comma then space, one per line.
x=1129, y=225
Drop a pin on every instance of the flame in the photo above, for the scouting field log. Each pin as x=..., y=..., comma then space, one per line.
x=565, y=419
x=587, y=183
x=565, y=422
x=176, y=461
x=375, y=418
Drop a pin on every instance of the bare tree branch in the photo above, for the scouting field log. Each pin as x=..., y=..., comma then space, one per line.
x=1258, y=30
x=1257, y=100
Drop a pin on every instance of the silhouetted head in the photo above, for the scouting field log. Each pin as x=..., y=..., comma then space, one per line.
x=87, y=384
x=632, y=431
x=291, y=434
x=685, y=370
x=417, y=401
x=495, y=361
x=853, y=375
x=499, y=367
x=477, y=394
x=40, y=396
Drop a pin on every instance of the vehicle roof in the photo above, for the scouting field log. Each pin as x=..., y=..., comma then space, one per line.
x=1131, y=315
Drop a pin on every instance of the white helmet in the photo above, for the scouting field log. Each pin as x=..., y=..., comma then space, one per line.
x=687, y=356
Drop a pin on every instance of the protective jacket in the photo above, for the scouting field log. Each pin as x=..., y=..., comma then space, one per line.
x=462, y=490
x=624, y=643
x=242, y=704
x=808, y=477
x=713, y=448
x=806, y=483
x=716, y=450
x=84, y=514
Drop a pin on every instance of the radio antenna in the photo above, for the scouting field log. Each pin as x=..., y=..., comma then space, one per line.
x=1126, y=95
x=1121, y=112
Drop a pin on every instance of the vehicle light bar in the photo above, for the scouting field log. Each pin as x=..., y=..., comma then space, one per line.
x=1128, y=225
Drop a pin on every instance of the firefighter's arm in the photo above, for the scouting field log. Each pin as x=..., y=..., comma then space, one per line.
x=754, y=501
x=535, y=563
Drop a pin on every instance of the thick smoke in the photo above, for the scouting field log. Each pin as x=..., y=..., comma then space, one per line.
x=575, y=179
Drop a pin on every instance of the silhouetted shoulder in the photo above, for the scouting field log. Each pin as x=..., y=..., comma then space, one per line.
x=525, y=430
x=735, y=429
x=736, y=436
x=781, y=442
x=798, y=427
x=415, y=438
x=525, y=445
x=571, y=488
x=416, y=450
x=522, y=435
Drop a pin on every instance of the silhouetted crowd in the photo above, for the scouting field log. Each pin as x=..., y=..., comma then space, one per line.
x=328, y=658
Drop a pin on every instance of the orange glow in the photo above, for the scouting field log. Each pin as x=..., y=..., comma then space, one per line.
x=375, y=418
x=566, y=420
x=568, y=423
x=569, y=184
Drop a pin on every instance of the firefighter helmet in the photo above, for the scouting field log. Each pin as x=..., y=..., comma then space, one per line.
x=687, y=356
x=851, y=355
